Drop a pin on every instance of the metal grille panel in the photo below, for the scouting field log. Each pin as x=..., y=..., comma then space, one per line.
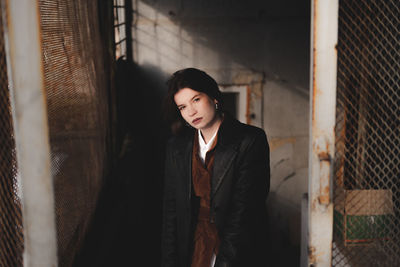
x=367, y=160
x=77, y=100
x=120, y=29
x=11, y=230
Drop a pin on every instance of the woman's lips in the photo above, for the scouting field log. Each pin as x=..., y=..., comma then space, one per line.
x=196, y=121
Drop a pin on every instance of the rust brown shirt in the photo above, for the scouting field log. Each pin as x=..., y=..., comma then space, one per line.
x=206, y=240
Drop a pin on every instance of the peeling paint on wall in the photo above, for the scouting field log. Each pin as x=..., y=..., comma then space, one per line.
x=277, y=142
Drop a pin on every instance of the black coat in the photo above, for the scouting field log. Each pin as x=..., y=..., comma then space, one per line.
x=239, y=188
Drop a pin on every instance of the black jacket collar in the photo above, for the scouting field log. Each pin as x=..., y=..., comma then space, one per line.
x=229, y=136
x=229, y=131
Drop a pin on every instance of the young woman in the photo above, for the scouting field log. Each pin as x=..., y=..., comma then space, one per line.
x=216, y=180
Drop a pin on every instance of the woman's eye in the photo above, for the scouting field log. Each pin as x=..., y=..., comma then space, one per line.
x=197, y=99
x=181, y=108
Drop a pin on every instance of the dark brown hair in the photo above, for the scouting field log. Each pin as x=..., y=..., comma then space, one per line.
x=194, y=79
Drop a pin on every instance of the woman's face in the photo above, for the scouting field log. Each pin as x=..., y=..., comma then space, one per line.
x=196, y=108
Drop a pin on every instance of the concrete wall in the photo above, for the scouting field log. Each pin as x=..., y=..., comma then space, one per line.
x=262, y=44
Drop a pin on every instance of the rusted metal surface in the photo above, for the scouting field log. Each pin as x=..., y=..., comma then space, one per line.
x=24, y=60
x=323, y=96
x=325, y=174
x=255, y=81
x=311, y=255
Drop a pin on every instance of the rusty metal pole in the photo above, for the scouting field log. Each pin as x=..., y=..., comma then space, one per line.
x=324, y=31
x=25, y=70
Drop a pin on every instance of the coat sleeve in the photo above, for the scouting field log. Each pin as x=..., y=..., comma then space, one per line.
x=248, y=197
x=169, y=235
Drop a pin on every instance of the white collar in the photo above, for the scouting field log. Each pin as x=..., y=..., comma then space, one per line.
x=203, y=146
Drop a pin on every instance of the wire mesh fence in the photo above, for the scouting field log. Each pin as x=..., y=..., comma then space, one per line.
x=11, y=230
x=367, y=160
x=78, y=114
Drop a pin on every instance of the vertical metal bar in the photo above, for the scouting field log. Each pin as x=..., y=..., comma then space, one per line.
x=324, y=31
x=24, y=64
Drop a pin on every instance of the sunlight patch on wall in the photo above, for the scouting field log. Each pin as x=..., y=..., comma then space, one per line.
x=158, y=41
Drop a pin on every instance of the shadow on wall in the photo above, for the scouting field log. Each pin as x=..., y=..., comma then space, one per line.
x=225, y=37
x=284, y=248
x=126, y=230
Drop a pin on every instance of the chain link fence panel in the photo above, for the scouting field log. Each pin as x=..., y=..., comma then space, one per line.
x=367, y=159
x=78, y=113
x=11, y=230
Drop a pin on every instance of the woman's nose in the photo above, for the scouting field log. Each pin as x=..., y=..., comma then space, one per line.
x=192, y=111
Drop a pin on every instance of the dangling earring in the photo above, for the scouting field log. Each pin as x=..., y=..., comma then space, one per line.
x=216, y=106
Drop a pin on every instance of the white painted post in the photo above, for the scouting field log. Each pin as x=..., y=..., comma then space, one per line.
x=324, y=31
x=25, y=70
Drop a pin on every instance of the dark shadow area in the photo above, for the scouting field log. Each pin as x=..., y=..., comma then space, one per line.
x=126, y=229
x=282, y=250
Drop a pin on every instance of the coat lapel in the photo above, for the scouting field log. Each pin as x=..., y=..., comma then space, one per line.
x=224, y=157
x=226, y=151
